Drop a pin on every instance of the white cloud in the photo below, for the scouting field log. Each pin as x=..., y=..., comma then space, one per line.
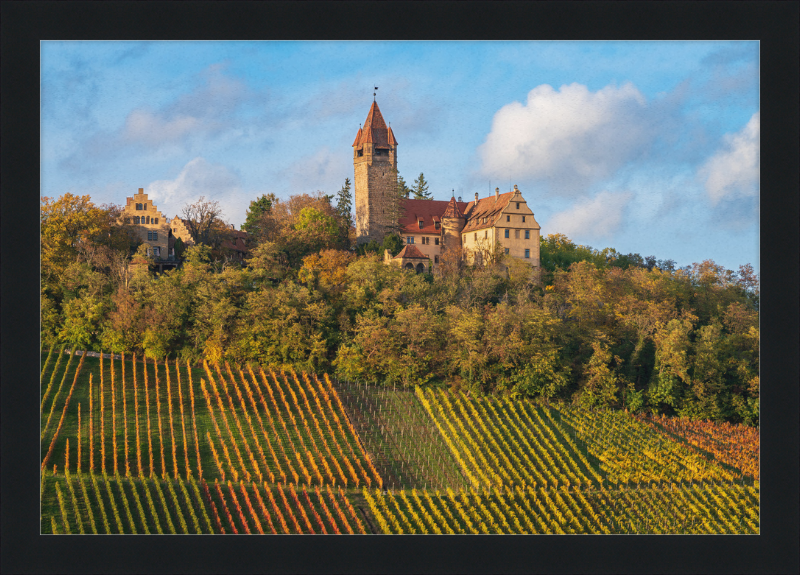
x=568, y=138
x=142, y=126
x=322, y=170
x=734, y=170
x=599, y=217
x=198, y=178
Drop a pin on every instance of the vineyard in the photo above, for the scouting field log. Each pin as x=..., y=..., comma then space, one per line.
x=136, y=446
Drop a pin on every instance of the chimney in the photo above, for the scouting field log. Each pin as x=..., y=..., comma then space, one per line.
x=141, y=190
x=496, y=194
x=476, y=197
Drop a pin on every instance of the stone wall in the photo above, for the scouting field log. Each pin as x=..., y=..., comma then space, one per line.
x=375, y=184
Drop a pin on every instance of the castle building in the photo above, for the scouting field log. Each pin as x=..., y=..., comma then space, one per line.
x=151, y=226
x=158, y=233
x=430, y=226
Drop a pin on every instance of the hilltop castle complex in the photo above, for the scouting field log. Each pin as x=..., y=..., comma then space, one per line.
x=430, y=226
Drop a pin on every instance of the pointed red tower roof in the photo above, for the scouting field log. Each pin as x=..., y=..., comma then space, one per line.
x=452, y=210
x=375, y=130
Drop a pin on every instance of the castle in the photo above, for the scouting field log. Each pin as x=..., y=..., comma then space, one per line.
x=158, y=234
x=428, y=227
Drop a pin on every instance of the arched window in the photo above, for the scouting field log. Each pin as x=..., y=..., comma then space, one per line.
x=135, y=219
x=409, y=266
x=148, y=220
x=420, y=268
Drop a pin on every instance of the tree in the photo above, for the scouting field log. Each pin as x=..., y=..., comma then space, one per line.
x=344, y=204
x=420, y=189
x=64, y=223
x=402, y=188
x=256, y=213
x=394, y=207
x=393, y=243
x=202, y=219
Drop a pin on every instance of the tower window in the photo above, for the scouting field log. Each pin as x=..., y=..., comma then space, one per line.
x=360, y=153
x=508, y=233
x=527, y=234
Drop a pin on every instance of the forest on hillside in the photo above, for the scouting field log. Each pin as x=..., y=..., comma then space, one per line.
x=595, y=328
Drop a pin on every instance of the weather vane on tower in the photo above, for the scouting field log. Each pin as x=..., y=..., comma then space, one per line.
x=375, y=93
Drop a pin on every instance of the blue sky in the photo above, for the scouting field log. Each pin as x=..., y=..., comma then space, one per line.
x=648, y=147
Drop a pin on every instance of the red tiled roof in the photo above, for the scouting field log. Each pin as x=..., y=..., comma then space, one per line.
x=429, y=211
x=410, y=251
x=488, y=208
x=375, y=130
x=452, y=210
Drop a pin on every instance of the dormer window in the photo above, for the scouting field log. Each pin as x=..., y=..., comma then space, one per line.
x=436, y=225
x=420, y=224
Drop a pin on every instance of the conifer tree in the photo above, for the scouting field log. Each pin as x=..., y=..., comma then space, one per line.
x=344, y=204
x=420, y=188
x=402, y=188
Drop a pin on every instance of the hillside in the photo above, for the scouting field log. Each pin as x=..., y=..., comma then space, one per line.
x=133, y=447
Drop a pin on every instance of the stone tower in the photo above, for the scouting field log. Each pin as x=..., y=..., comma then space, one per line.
x=453, y=222
x=375, y=182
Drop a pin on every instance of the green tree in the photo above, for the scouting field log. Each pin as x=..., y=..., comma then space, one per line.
x=259, y=209
x=420, y=189
x=344, y=204
x=402, y=188
x=393, y=243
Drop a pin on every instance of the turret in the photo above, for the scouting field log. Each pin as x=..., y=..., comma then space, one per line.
x=453, y=221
